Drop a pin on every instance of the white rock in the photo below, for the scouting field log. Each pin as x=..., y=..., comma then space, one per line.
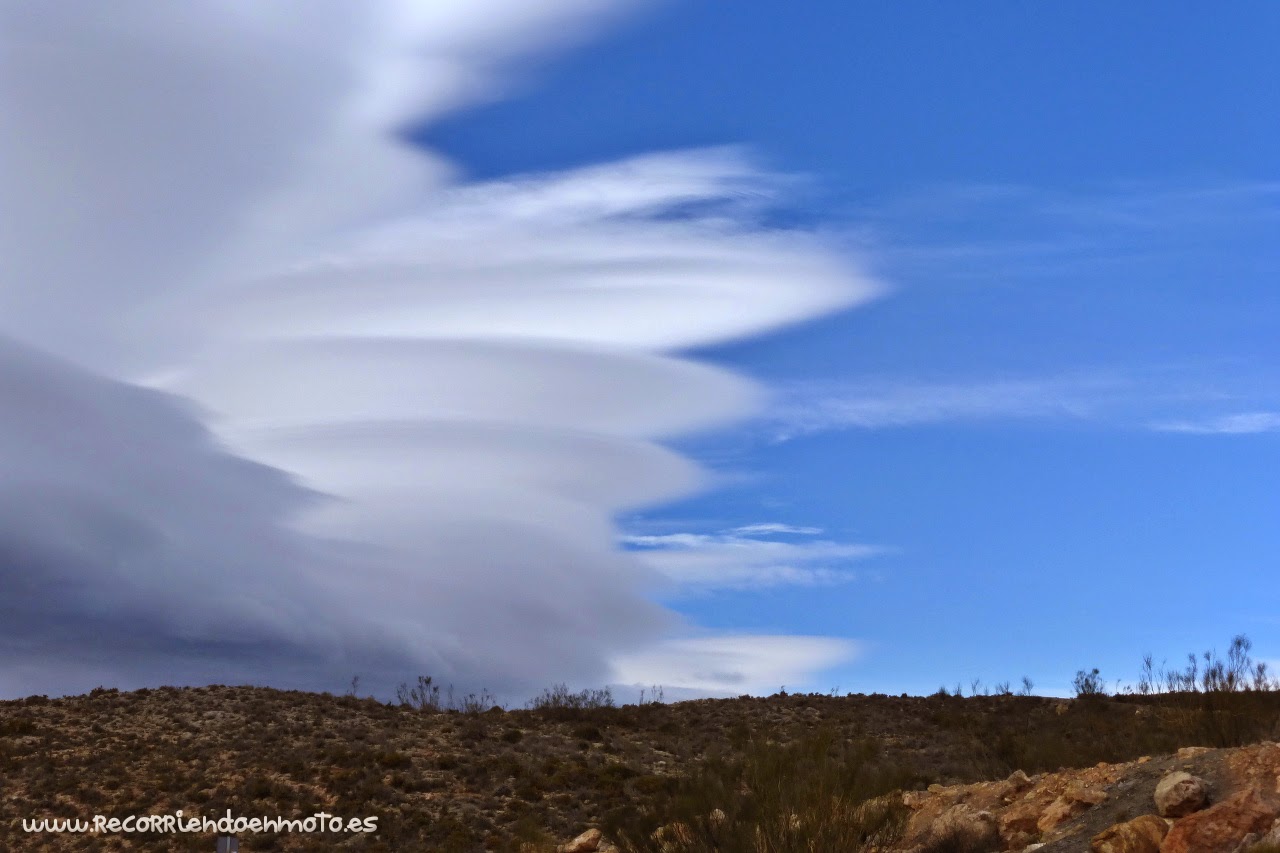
x=1179, y=794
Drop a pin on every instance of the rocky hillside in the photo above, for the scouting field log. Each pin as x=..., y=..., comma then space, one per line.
x=1198, y=800
x=797, y=772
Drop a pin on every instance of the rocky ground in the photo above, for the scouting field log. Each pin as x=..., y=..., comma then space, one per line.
x=1198, y=800
x=798, y=772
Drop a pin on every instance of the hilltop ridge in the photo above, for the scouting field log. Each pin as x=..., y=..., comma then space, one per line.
x=529, y=779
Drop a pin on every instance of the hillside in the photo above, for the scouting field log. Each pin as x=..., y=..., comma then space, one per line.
x=711, y=771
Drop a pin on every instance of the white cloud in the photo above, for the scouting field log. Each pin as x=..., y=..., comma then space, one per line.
x=406, y=408
x=1244, y=423
x=741, y=559
x=774, y=527
x=586, y=257
x=733, y=665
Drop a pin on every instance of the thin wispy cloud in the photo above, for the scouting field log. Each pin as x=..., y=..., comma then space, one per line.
x=1131, y=206
x=1014, y=235
x=287, y=399
x=1243, y=423
x=1070, y=264
x=774, y=527
x=805, y=408
x=749, y=557
x=1178, y=401
x=1155, y=207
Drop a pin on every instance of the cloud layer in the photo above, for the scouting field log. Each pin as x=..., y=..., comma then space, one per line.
x=732, y=665
x=749, y=557
x=286, y=400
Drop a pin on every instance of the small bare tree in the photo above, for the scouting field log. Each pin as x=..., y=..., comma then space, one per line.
x=1089, y=684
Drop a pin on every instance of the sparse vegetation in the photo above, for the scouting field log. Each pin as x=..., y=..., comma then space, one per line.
x=425, y=696
x=820, y=791
x=1088, y=685
x=787, y=772
x=1212, y=701
x=559, y=698
x=1238, y=673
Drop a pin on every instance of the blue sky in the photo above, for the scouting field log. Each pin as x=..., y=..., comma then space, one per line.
x=1059, y=423
x=720, y=346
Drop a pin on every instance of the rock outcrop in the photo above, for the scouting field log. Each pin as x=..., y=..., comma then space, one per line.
x=1223, y=826
x=1257, y=839
x=1208, y=801
x=1140, y=835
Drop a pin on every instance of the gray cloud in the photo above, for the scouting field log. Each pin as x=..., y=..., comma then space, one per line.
x=124, y=522
x=283, y=401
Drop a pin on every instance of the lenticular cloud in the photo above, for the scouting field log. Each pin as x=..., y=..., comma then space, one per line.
x=284, y=399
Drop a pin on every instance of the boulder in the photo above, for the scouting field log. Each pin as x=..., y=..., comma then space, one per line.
x=1018, y=782
x=1140, y=835
x=1223, y=826
x=587, y=842
x=1180, y=793
x=1191, y=752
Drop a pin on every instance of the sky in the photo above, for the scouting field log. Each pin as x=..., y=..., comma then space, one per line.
x=873, y=348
